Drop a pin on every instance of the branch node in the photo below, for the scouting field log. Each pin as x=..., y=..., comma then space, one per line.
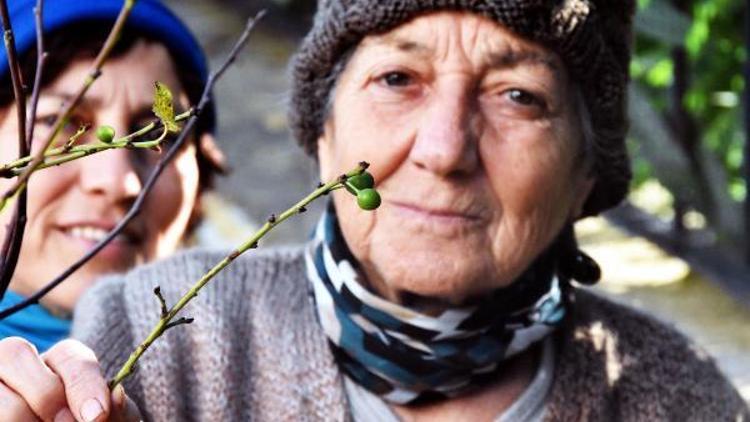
x=181, y=321
x=162, y=302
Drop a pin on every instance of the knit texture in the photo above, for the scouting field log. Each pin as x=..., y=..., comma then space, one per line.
x=592, y=37
x=257, y=352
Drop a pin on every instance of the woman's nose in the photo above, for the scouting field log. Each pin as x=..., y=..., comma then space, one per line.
x=446, y=140
x=110, y=173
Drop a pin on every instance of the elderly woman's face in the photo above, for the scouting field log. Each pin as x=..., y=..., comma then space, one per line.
x=475, y=144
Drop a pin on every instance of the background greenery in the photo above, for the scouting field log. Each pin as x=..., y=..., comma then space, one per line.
x=696, y=152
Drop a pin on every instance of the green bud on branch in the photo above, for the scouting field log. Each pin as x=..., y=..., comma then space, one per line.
x=368, y=199
x=166, y=321
x=105, y=134
x=362, y=186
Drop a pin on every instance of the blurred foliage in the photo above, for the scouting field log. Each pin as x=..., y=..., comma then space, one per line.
x=711, y=32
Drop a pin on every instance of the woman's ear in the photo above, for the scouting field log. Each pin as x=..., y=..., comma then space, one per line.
x=325, y=152
x=196, y=215
x=583, y=189
x=209, y=149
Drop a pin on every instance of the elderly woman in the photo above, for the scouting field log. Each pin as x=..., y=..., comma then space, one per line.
x=73, y=206
x=491, y=127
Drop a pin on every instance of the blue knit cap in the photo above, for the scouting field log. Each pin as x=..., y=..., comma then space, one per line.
x=149, y=17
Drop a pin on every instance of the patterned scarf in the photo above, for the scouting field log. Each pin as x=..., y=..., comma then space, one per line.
x=407, y=357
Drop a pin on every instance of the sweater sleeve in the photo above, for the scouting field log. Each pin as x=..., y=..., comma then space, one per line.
x=102, y=324
x=636, y=368
x=253, y=352
x=118, y=313
x=184, y=374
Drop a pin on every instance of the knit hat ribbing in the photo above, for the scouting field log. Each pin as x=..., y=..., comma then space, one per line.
x=592, y=37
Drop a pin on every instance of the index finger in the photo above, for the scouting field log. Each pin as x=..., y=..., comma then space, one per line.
x=85, y=387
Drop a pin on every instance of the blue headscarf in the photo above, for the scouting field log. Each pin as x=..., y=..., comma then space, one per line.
x=149, y=17
x=34, y=323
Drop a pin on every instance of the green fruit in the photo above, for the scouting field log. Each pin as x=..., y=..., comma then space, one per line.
x=105, y=134
x=368, y=199
x=359, y=182
x=362, y=181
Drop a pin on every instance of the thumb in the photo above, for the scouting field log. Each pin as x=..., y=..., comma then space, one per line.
x=123, y=408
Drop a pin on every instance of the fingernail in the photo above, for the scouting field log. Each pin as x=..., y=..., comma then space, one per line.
x=91, y=410
x=64, y=415
x=118, y=397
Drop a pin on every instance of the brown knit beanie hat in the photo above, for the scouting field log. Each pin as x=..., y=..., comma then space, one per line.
x=592, y=37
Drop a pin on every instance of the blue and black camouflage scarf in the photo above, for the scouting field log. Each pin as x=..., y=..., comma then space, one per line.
x=407, y=357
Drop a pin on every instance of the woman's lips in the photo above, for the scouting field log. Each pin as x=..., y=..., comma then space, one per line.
x=89, y=235
x=437, y=215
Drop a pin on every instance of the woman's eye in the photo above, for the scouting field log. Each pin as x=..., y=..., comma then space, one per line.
x=48, y=120
x=396, y=79
x=523, y=97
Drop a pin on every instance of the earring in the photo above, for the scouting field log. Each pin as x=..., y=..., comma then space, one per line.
x=574, y=263
x=581, y=268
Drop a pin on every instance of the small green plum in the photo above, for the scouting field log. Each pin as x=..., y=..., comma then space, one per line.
x=359, y=182
x=105, y=134
x=368, y=199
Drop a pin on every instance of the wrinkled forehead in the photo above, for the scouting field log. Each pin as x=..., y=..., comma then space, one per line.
x=480, y=41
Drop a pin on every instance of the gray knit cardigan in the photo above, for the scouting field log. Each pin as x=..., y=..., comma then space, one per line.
x=256, y=351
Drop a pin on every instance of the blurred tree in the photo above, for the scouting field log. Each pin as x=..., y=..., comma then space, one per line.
x=685, y=106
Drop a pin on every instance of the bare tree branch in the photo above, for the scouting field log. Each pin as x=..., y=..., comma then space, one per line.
x=41, y=58
x=70, y=152
x=165, y=322
x=135, y=209
x=15, y=230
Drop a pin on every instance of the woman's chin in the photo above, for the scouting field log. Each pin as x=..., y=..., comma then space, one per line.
x=429, y=277
x=61, y=301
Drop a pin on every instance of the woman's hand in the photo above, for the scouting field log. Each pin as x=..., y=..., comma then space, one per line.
x=63, y=384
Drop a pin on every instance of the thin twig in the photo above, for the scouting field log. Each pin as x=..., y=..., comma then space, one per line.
x=15, y=168
x=180, y=321
x=41, y=59
x=15, y=230
x=73, y=139
x=76, y=153
x=165, y=321
x=135, y=209
x=162, y=302
x=93, y=75
x=15, y=76
x=12, y=244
